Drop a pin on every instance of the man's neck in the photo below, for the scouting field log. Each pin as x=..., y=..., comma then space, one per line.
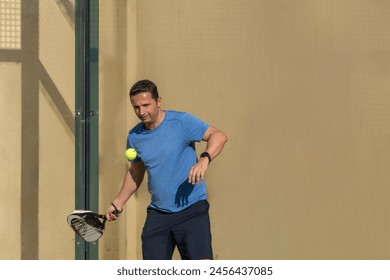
x=159, y=120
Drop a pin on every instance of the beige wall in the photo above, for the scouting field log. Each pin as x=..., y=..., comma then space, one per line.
x=53, y=90
x=10, y=118
x=56, y=138
x=115, y=121
x=300, y=87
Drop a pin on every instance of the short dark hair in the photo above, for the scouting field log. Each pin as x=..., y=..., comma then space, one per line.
x=144, y=86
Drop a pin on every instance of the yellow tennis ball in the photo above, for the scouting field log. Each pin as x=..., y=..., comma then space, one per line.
x=131, y=154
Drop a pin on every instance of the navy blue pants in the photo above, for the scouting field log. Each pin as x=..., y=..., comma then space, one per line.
x=189, y=230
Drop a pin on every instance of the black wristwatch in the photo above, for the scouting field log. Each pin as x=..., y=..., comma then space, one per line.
x=206, y=154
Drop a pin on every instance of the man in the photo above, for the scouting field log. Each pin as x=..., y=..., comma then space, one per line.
x=165, y=145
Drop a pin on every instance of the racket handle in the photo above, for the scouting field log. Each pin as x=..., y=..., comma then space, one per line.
x=104, y=222
x=116, y=212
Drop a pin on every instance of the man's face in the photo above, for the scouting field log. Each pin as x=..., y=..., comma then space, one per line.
x=146, y=108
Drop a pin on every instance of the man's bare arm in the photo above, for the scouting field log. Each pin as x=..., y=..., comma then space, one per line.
x=216, y=140
x=131, y=182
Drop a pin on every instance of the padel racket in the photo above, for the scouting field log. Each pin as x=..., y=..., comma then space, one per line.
x=87, y=224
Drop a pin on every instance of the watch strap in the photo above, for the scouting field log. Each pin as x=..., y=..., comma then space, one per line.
x=206, y=154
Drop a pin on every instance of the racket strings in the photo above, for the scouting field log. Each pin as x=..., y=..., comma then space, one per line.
x=84, y=229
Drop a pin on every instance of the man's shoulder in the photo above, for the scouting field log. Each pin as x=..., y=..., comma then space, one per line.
x=178, y=115
x=137, y=128
x=172, y=114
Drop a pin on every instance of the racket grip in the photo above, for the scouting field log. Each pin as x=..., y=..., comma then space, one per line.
x=116, y=212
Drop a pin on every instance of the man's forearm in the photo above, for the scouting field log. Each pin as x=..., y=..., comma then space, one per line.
x=131, y=182
x=215, y=143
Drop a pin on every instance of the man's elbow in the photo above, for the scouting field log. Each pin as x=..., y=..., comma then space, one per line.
x=223, y=136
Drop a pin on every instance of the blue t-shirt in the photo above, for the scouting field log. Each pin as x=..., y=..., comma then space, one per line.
x=168, y=153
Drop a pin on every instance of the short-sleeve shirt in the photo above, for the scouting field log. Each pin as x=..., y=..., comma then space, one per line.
x=168, y=152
